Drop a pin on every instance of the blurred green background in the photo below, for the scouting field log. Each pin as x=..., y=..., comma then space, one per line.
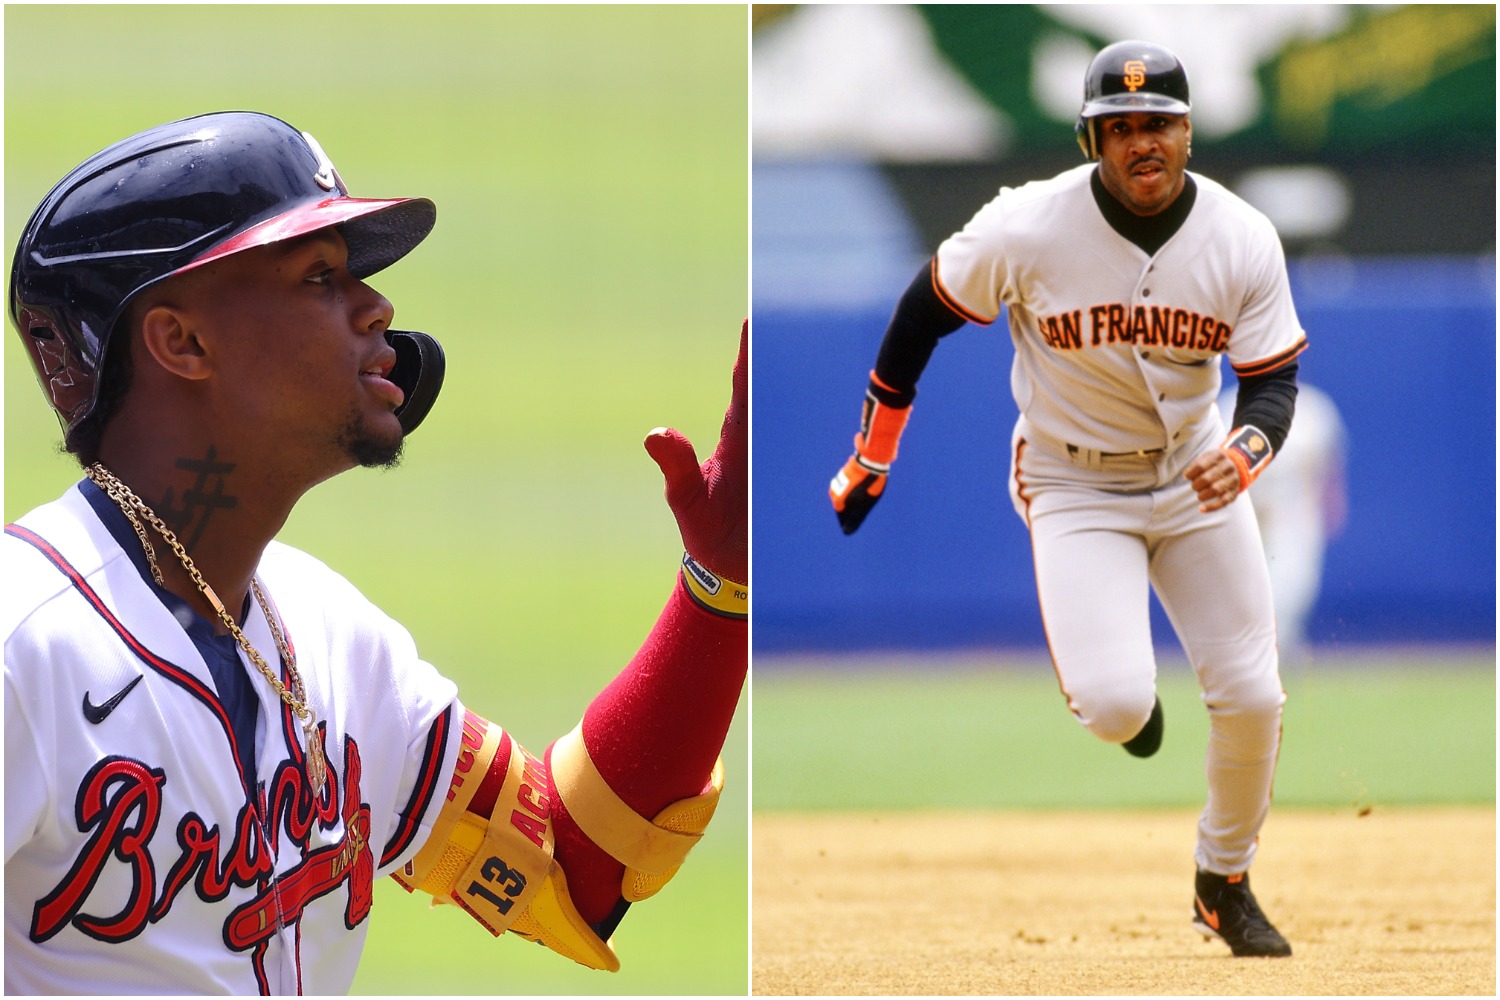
x=587, y=278
x=1362, y=728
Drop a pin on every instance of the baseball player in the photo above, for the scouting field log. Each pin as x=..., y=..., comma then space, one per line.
x=213, y=743
x=1123, y=280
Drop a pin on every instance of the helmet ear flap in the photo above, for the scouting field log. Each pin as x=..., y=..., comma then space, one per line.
x=1083, y=130
x=420, y=366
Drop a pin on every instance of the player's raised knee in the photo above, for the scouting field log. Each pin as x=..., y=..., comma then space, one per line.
x=1116, y=714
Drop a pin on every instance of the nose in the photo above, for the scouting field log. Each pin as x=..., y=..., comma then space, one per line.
x=375, y=312
x=1142, y=140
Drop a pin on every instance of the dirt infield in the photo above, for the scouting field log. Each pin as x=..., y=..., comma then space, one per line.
x=1396, y=902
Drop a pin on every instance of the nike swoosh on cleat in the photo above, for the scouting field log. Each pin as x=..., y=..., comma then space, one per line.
x=1210, y=917
x=98, y=713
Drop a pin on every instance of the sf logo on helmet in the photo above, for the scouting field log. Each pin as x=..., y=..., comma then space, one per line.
x=1135, y=75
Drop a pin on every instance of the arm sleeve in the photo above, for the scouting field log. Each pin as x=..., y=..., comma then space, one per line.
x=654, y=734
x=1267, y=401
x=920, y=320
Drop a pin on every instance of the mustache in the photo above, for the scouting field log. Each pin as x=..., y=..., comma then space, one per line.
x=1148, y=159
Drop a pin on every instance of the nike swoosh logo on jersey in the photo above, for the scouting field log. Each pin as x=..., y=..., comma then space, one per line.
x=98, y=713
x=1210, y=917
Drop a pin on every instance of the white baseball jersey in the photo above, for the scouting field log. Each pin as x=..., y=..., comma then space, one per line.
x=1116, y=349
x=139, y=856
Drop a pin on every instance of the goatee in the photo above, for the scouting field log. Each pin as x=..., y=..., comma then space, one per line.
x=369, y=450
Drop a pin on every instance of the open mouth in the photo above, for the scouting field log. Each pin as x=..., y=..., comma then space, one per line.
x=378, y=378
x=381, y=365
x=1148, y=170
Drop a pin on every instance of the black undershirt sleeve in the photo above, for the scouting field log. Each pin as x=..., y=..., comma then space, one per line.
x=1267, y=401
x=920, y=320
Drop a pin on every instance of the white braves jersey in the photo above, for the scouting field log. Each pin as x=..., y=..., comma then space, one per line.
x=1116, y=350
x=138, y=856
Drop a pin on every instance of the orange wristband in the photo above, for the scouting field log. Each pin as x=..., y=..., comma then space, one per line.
x=880, y=430
x=1250, y=452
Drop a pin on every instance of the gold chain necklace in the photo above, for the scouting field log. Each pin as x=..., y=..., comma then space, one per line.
x=295, y=698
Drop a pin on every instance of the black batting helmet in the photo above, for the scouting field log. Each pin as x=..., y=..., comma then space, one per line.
x=1130, y=76
x=169, y=199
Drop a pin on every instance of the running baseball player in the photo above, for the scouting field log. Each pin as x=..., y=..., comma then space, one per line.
x=1123, y=281
x=213, y=743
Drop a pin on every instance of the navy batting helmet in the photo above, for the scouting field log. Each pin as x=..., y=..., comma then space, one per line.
x=167, y=200
x=1130, y=76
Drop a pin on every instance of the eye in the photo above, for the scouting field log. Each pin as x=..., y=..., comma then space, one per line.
x=323, y=277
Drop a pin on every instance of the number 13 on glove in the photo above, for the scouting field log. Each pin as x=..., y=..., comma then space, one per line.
x=861, y=481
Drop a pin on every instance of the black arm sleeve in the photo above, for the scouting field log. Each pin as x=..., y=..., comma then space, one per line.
x=920, y=319
x=1267, y=401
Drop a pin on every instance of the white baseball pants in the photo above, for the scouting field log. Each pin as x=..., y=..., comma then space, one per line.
x=1102, y=530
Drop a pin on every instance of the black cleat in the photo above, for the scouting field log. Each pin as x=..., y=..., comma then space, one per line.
x=1225, y=908
x=1148, y=740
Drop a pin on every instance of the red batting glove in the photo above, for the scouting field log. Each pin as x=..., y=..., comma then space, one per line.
x=710, y=501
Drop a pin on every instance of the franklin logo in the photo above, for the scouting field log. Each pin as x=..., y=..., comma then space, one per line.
x=327, y=176
x=705, y=579
x=1135, y=75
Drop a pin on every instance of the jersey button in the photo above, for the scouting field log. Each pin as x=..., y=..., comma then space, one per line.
x=1145, y=293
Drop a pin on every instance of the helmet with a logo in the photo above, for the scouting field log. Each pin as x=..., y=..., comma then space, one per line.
x=165, y=201
x=1130, y=76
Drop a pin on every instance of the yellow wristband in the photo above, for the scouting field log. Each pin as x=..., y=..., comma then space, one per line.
x=711, y=591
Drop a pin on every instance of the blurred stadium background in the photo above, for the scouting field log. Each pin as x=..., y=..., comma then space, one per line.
x=587, y=278
x=1366, y=132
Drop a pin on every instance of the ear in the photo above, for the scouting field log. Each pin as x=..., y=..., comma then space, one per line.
x=169, y=338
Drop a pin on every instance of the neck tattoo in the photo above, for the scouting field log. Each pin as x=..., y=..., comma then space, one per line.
x=295, y=695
